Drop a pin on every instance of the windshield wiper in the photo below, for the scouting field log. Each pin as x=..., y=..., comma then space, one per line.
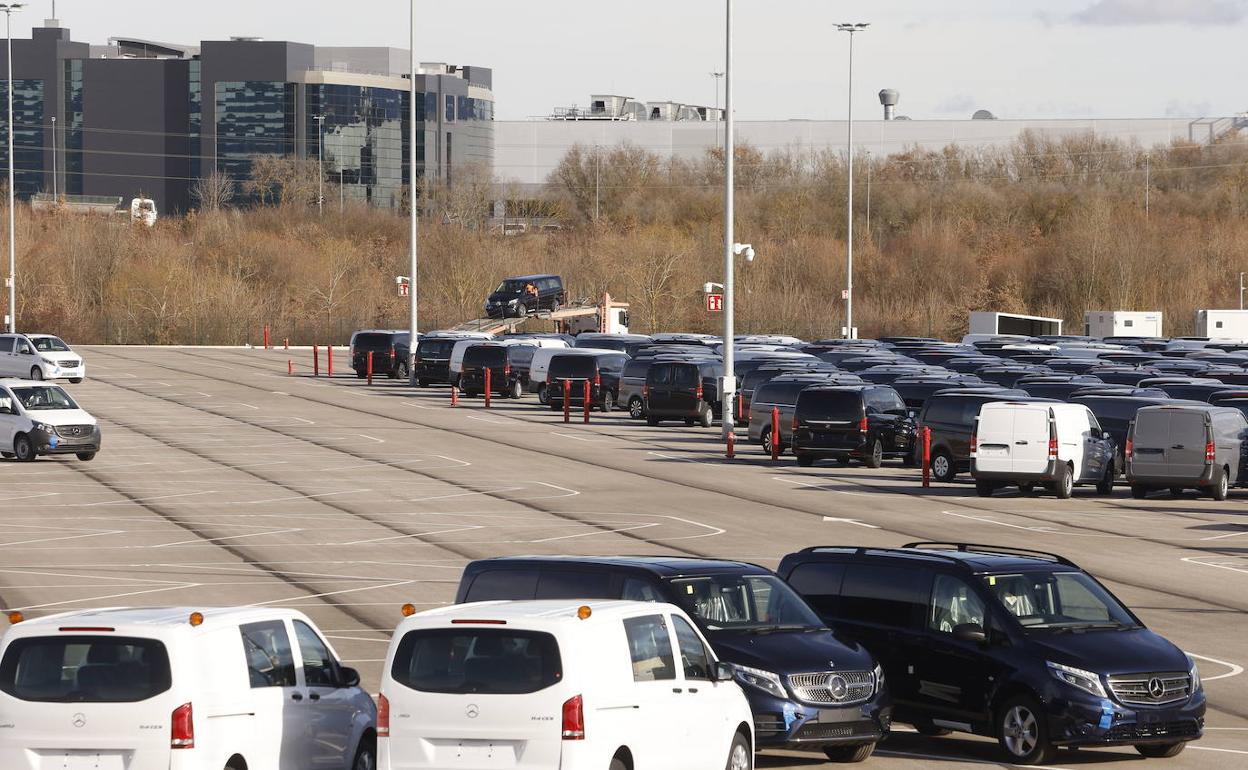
x=1090, y=626
x=779, y=627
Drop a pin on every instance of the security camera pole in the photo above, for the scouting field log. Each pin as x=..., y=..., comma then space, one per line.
x=729, y=387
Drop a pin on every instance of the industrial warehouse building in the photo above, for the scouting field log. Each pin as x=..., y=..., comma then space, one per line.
x=141, y=118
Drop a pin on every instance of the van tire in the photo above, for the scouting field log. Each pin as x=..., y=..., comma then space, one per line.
x=740, y=757
x=1221, y=484
x=652, y=421
x=608, y=403
x=1139, y=491
x=75, y=380
x=522, y=311
x=706, y=419
x=764, y=441
x=1023, y=732
x=516, y=390
x=23, y=448
x=1064, y=484
x=984, y=488
x=848, y=753
x=36, y=373
x=1160, y=750
x=1106, y=485
x=618, y=764
x=543, y=394
x=636, y=408
x=804, y=459
x=86, y=457
x=366, y=754
x=360, y=374
x=423, y=383
x=874, y=458
x=943, y=468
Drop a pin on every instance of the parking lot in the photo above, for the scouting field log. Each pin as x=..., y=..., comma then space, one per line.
x=223, y=480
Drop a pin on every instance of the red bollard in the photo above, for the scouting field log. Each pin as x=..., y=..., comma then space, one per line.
x=487, y=387
x=290, y=367
x=316, y=361
x=266, y=336
x=454, y=396
x=370, y=367
x=329, y=359
x=286, y=344
x=775, y=433
x=567, y=401
x=927, y=456
x=587, y=402
x=732, y=444
x=740, y=408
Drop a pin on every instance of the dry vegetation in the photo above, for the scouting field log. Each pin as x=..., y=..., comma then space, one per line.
x=1044, y=227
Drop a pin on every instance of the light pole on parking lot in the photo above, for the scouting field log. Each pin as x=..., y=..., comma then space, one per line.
x=412, y=200
x=8, y=9
x=729, y=385
x=320, y=164
x=851, y=28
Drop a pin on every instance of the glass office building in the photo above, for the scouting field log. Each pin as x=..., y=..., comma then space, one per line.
x=362, y=139
x=28, y=122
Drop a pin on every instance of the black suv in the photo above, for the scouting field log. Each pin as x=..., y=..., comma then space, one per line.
x=807, y=688
x=601, y=371
x=390, y=349
x=951, y=418
x=1019, y=645
x=861, y=422
x=525, y=294
x=683, y=390
x=508, y=366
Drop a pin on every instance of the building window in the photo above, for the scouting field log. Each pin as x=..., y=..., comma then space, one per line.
x=364, y=140
x=196, y=122
x=450, y=108
x=71, y=131
x=254, y=117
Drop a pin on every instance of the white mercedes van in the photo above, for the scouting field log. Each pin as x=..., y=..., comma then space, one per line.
x=40, y=418
x=1034, y=442
x=179, y=689
x=558, y=685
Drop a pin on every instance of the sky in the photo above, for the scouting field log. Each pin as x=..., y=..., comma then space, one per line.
x=1017, y=58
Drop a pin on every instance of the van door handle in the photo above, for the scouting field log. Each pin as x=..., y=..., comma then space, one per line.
x=314, y=696
x=693, y=689
x=1021, y=443
x=1177, y=446
x=297, y=696
x=677, y=689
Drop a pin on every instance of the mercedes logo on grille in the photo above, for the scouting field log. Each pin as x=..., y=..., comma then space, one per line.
x=472, y=711
x=79, y=720
x=837, y=686
x=1156, y=688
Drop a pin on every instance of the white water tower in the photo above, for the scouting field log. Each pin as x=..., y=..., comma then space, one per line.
x=889, y=98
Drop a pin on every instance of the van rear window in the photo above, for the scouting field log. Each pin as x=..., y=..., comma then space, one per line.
x=374, y=342
x=435, y=348
x=85, y=669
x=584, y=367
x=486, y=661
x=485, y=356
x=830, y=404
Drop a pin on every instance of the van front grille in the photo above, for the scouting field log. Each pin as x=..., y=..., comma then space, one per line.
x=840, y=688
x=1150, y=689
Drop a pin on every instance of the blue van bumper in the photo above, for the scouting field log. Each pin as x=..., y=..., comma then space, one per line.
x=782, y=723
x=1092, y=721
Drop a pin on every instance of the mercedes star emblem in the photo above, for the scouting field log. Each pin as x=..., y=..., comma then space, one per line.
x=838, y=686
x=472, y=711
x=79, y=720
x=1156, y=688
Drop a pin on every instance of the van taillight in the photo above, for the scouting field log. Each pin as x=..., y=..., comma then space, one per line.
x=974, y=443
x=862, y=425
x=597, y=380
x=1211, y=452
x=698, y=393
x=1129, y=450
x=1052, y=448
x=507, y=370
x=794, y=424
x=383, y=717
x=574, y=719
x=183, y=736
x=392, y=354
x=645, y=391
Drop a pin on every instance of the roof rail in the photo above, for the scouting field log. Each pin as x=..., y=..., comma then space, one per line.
x=992, y=549
x=862, y=550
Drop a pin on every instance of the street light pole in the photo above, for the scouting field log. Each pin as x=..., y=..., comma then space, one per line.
x=730, y=376
x=412, y=203
x=717, y=76
x=320, y=164
x=8, y=9
x=55, y=191
x=851, y=28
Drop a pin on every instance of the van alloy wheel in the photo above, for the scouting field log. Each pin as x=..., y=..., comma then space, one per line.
x=1221, y=484
x=739, y=756
x=23, y=448
x=36, y=373
x=765, y=440
x=1021, y=731
x=942, y=467
x=876, y=457
x=636, y=409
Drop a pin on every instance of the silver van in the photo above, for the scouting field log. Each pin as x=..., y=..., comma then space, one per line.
x=1186, y=447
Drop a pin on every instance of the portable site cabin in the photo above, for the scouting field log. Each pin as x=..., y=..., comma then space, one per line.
x=1011, y=323
x=1222, y=324
x=1122, y=323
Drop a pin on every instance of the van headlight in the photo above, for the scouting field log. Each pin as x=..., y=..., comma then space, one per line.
x=1076, y=677
x=43, y=426
x=879, y=677
x=766, y=681
x=1194, y=673
x=511, y=302
x=49, y=362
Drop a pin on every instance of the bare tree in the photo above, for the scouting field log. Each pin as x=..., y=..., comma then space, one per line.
x=214, y=191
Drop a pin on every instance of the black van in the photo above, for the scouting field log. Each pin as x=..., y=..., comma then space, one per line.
x=860, y=422
x=951, y=418
x=433, y=360
x=390, y=349
x=683, y=390
x=1019, y=645
x=807, y=688
x=508, y=366
x=602, y=371
x=519, y=296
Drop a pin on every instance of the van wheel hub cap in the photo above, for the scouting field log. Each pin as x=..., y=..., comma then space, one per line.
x=1020, y=731
x=740, y=759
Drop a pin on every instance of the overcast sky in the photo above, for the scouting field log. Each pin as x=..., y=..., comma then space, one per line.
x=1017, y=58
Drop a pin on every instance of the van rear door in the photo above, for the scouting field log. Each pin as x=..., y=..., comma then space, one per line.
x=79, y=700
x=476, y=697
x=1150, y=444
x=995, y=439
x=1031, y=440
x=1189, y=433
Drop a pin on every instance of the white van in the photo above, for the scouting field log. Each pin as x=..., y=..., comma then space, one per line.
x=457, y=353
x=541, y=365
x=1029, y=443
x=39, y=357
x=179, y=689
x=557, y=685
x=40, y=418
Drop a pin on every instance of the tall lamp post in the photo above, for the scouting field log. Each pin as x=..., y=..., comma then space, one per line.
x=412, y=202
x=8, y=9
x=320, y=164
x=851, y=28
x=729, y=388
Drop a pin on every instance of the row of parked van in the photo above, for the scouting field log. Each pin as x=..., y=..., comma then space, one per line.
x=625, y=663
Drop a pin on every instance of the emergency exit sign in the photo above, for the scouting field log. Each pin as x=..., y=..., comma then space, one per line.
x=715, y=303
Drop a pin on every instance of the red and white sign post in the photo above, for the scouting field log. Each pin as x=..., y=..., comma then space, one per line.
x=714, y=303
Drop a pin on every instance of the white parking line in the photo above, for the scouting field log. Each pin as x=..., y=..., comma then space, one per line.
x=850, y=521
x=1235, y=670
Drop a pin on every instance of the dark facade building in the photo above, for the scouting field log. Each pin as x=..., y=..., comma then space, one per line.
x=146, y=119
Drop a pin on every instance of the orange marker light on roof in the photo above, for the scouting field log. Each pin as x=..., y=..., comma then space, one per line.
x=408, y=610
x=583, y=612
x=197, y=618
x=16, y=617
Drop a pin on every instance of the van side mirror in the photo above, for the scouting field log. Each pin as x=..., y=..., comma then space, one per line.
x=348, y=677
x=723, y=671
x=972, y=633
x=1106, y=435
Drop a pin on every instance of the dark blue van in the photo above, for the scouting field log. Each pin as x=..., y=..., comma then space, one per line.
x=808, y=687
x=1018, y=645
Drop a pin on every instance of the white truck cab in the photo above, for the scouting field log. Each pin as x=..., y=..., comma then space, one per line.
x=559, y=685
x=40, y=357
x=1029, y=443
x=179, y=689
x=41, y=418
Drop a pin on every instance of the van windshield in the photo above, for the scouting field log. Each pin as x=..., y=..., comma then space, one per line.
x=511, y=286
x=49, y=345
x=752, y=603
x=44, y=398
x=1058, y=601
x=488, y=661
x=85, y=669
